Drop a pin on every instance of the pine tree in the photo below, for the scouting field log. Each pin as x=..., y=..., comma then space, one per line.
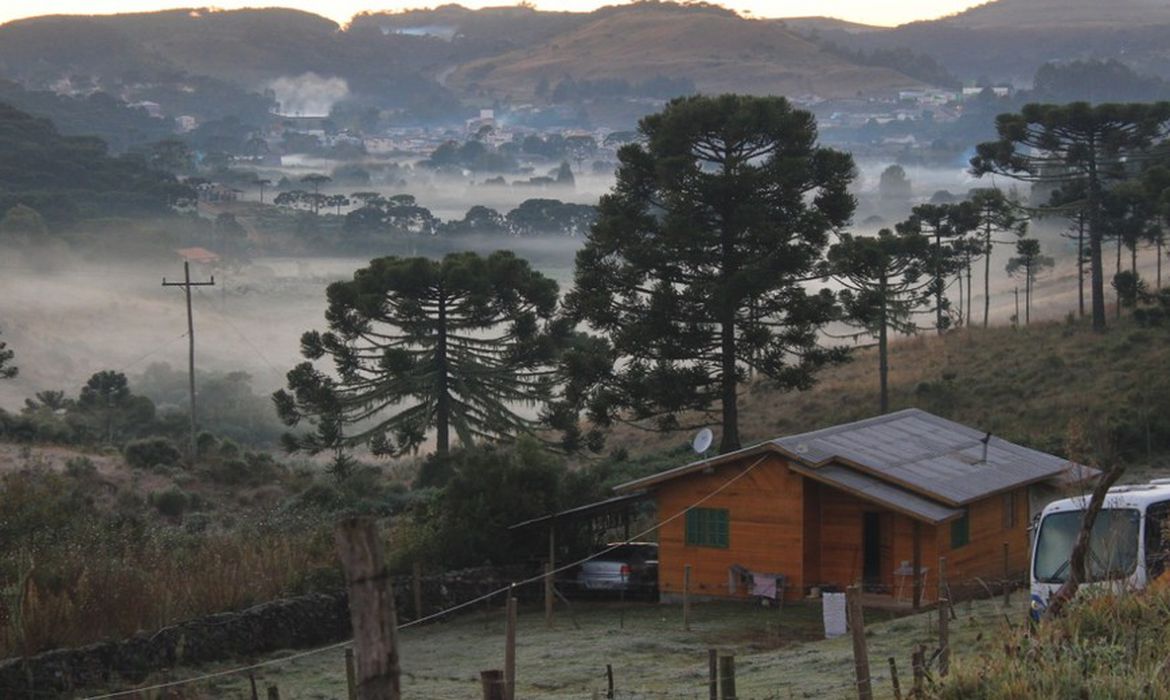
x=695, y=269
x=419, y=345
x=1079, y=144
x=885, y=280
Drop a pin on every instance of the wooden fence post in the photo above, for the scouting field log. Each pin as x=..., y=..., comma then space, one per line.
x=713, y=673
x=493, y=684
x=944, y=638
x=727, y=676
x=416, y=588
x=687, y=597
x=1007, y=581
x=916, y=563
x=273, y=693
x=860, y=651
x=549, y=597
x=510, y=648
x=371, y=609
x=894, y=679
x=942, y=578
x=252, y=681
x=918, y=664
x=609, y=693
x=350, y=674
x=944, y=588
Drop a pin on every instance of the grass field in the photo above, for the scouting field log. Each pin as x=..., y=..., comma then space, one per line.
x=652, y=656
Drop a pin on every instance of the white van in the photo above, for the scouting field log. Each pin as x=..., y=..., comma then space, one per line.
x=1127, y=550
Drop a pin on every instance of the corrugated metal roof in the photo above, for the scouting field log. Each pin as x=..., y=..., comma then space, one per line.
x=871, y=489
x=913, y=450
x=927, y=454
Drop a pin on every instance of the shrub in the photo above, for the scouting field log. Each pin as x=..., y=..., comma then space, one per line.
x=80, y=467
x=172, y=503
x=148, y=453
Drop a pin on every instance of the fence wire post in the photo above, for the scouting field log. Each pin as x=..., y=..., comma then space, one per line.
x=860, y=651
x=894, y=678
x=510, y=647
x=713, y=673
x=371, y=608
x=727, y=676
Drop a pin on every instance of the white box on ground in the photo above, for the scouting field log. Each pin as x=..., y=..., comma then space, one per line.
x=833, y=607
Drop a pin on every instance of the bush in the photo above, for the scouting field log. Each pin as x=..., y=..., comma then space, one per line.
x=148, y=453
x=172, y=503
x=490, y=489
x=80, y=467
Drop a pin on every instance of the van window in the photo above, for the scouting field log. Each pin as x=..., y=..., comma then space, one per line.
x=1113, y=545
x=1157, y=538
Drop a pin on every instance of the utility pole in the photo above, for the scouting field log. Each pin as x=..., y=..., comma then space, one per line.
x=186, y=284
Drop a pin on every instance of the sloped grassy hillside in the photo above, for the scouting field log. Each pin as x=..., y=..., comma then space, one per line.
x=1040, y=386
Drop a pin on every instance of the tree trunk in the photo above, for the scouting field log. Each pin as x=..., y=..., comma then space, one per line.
x=1081, y=263
x=883, y=351
x=962, y=308
x=938, y=282
x=1096, y=233
x=1028, y=296
x=730, y=439
x=1117, y=271
x=968, y=316
x=442, y=369
x=1158, y=244
x=987, y=275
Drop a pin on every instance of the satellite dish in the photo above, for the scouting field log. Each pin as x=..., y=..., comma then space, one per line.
x=702, y=441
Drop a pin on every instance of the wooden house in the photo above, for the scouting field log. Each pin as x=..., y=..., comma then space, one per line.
x=871, y=502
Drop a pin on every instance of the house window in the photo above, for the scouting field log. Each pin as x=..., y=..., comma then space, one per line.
x=707, y=527
x=1009, y=510
x=961, y=531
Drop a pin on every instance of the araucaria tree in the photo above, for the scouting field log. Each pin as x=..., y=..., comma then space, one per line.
x=884, y=283
x=995, y=214
x=1077, y=145
x=1028, y=263
x=944, y=225
x=418, y=344
x=695, y=271
x=7, y=369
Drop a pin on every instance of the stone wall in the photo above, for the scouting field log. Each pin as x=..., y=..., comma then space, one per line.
x=308, y=621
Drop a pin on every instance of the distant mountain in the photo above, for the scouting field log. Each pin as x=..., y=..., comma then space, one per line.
x=1008, y=40
x=715, y=49
x=201, y=62
x=805, y=25
x=241, y=46
x=1094, y=14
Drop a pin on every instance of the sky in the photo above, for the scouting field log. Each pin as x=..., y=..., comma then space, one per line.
x=890, y=12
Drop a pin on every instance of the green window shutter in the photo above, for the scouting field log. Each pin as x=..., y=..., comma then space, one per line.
x=693, y=525
x=961, y=532
x=708, y=527
x=722, y=537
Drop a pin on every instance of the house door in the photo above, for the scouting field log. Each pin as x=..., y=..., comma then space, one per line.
x=871, y=550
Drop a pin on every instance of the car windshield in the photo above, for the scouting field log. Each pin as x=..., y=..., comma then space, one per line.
x=1113, y=547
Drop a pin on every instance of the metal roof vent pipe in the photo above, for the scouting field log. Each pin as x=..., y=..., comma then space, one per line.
x=986, y=439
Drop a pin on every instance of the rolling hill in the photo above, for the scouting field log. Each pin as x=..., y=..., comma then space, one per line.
x=1007, y=40
x=1093, y=14
x=718, y=51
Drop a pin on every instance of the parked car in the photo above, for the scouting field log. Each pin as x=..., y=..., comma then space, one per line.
x=630, y=569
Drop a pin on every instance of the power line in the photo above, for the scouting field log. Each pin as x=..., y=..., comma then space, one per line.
x=247, y=341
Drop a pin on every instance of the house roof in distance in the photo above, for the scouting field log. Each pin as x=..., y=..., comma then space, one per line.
x=907, y=453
